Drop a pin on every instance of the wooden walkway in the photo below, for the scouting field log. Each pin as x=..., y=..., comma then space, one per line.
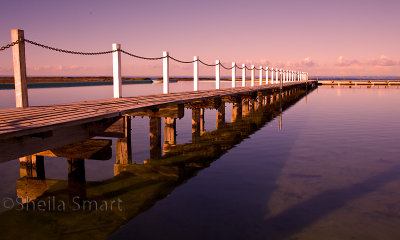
x=16, y=122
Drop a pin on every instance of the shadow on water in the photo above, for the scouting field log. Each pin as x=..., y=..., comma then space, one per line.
x=80, y=209
x=300, y=216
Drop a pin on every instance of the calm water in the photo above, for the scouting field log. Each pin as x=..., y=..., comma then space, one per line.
x=327, y=167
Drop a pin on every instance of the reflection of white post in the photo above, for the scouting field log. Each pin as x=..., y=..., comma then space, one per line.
x=252, y=75
x=217, y=74
x=261, y=70
x=196, y=73
x=117, y=70
x=243, y=75
x=233, y=74
x=18, y=51
x=165, y=72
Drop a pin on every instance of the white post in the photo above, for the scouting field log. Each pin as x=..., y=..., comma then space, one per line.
x=196, y=73
x=18, y=52
x=217, y=74
x=233, y=74
x=165, y=72
x=261, y=74
x=252, y=75
x=283, y=76
x=117, y=70
x=287, y=75
x=272, y=75
x=277, y=76
x=266, y=76
x=243, y=75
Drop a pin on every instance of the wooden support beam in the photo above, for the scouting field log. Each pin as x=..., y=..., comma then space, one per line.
x=76, y=180
x=237, y=109
x=155, y=137
x=195, y=124
x=220, y=116
x=96, y=149
x=16, y=147
x=32, y=167
x=172, y=111
x=169, y=134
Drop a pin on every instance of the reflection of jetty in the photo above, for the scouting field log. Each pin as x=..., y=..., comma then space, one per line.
x=138, y=186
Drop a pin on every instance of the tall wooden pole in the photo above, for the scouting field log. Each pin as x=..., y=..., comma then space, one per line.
x=117, y=81
x=18, y=51
x=243, y=75
x=217, y=74
x=196, y=73
x=165, y=72
x=233, y=74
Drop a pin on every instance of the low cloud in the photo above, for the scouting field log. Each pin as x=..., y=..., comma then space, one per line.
x=343, y=62
x=383, y=61
x=305, y=62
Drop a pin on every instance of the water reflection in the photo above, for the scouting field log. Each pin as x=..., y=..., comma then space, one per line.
x=137, y=186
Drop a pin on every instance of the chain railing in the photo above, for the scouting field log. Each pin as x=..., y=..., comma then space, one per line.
x=281, y=75
x=67, y=51
x=130, y=54
x=9, y=45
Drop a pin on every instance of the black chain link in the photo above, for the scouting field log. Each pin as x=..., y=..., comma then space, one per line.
x=210, y=65
x=145, y=58
x=68, y=51
x=247, y=68
x=227, y=67
x=9, y=45
x=237, y=66
x=181, y=60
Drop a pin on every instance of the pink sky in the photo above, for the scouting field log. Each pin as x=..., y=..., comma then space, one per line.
x=321, y=37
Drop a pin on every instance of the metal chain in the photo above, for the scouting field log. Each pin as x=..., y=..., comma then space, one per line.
x=68, y=51
x=237, y=66
x=247, y=68
x=210, y=65
x=181, y=60
x=145, y=58
x=9, y=45
x=226, y=67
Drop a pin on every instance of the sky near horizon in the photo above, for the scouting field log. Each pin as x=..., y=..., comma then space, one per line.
x=353, y=37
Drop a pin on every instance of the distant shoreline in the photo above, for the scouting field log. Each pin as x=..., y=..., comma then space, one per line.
x=10, y=80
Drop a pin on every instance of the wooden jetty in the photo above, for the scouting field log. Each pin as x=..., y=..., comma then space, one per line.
x=28, y=130
x=25, y=131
